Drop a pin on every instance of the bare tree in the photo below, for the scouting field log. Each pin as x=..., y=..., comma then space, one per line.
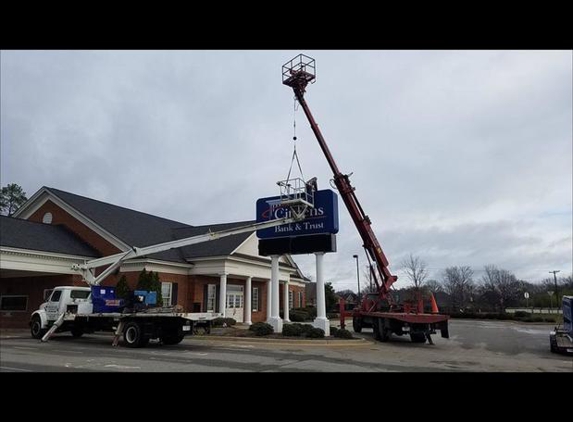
x=501, y=286
x=434, y=286
x=567, y=282
x=459, y=284
x=416, y=269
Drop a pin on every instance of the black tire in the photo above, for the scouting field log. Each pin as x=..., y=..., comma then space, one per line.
x=77, y=332
x=172, y=339
x=553, y=344
x=418, y=337
x=375, y=329
x=384, y=332
x=133, y=335
x=36, y=328
x=357, y=324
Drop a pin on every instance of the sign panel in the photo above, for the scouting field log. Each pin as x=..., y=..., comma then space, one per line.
x=298, y=244
x=323, y=218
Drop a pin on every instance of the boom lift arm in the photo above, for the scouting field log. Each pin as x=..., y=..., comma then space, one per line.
x=114, y=261
x=297, y=74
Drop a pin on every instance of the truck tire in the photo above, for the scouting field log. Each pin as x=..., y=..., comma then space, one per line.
x=133, y=335
x=418, y=337
x=357, y=324
x=36, y=328
x=384, y=331
x=553, y=344
x=172, y=339
x=77, y=332
x=381, y=333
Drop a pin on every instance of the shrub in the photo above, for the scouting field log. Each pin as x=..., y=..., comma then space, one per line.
x=521, y=314
x=333, y=331
x=298, y=316
x=315, y=333
x=261, y=329
x=343, y=333
x=305, y=328
x=308, y=311
x=537, y=319
x=224, y=322
x=292, y=330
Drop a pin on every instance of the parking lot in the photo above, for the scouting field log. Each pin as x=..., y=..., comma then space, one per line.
x=490, y=346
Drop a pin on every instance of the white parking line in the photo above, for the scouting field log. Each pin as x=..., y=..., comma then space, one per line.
x=15, y=369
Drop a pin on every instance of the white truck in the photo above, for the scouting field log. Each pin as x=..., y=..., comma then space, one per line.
x=72, y=309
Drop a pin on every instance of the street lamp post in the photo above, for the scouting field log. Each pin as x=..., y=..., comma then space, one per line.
x=357, y=276
x=555, y=279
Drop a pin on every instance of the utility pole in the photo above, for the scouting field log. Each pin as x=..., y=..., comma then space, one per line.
x=556, y=291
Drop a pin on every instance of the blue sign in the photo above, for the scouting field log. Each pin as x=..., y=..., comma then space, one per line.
x=323, y=218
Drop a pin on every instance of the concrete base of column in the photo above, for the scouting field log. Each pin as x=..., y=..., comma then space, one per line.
x=277, y=324
x=323, y=323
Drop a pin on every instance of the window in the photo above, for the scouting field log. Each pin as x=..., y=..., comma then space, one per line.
x=300, y=304
x=211, y=299
x=13, y=303
x=238, y=301
x=47, y=293
x=290, y=299
x=79, y=294
x=56, y=296
x=255, y=299
x=166, y=293
x=47, y=218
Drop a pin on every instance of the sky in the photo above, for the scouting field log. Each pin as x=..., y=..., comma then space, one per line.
x=458, y=157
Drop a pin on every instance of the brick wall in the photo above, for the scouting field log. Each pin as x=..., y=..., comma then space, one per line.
x=33, y=287
x=261, y=314
x=61, y=217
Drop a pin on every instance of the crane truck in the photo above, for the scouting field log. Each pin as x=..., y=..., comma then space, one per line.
x=82, y=310
x=379, y=311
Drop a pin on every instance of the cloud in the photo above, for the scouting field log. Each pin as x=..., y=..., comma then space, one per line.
x=462, y=157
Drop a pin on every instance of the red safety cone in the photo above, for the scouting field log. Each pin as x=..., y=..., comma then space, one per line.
x=435, y=309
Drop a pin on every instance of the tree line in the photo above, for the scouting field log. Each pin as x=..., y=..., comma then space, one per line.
x=458, y=289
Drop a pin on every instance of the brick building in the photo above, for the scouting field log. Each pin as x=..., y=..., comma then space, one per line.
x=55, y=229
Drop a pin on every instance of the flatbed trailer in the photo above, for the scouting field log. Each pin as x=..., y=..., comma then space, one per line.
x=418, y=325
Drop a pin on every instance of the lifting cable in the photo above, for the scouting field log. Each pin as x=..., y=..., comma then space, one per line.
x=294, y=153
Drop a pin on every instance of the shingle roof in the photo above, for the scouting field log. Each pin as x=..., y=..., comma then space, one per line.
x=24, y=234
x=140, y=229
x=220, y=247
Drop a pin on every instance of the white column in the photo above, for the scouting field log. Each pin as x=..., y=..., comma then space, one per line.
x=248, y=289
x=269, y=300
x=285, y=303
x=275, y=320
x=321, y=321
x=223, y=294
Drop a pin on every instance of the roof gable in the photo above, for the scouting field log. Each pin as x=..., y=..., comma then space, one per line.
x=23, y=234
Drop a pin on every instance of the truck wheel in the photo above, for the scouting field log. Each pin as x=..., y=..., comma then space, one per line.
x=77, y=332
x=418, y=337
x=357, y=324
x=133, y=335
x=384, y=332
x=36, y=328
x=172, y=339
x=553, y=344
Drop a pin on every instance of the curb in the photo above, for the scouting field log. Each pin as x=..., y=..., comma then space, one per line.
x=318, y=342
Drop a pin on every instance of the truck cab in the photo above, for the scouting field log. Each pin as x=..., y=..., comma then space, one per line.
x=64, y=299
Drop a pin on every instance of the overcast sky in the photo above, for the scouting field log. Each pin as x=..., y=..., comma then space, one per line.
x=459, y=157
